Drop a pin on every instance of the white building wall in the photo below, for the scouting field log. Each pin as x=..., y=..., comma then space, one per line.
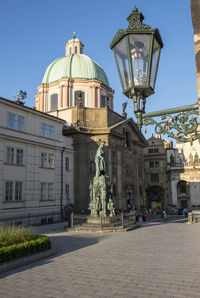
x=31, y=208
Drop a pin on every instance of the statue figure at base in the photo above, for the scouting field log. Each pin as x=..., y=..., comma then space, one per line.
x=101, y=197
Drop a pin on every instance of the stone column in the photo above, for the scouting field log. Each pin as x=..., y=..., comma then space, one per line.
x=66, y=96
x=93, y=97
x=99, y=97
x=42, y=101
x=61, y=97
x=195, y=11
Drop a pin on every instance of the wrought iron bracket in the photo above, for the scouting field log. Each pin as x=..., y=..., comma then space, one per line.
x=178, y=123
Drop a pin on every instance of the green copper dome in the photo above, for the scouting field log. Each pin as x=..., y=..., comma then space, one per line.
x=74, y=66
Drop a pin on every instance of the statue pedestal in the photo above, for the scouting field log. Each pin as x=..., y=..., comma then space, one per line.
x=101, y=201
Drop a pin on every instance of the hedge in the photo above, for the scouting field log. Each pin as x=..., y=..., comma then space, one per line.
x=23, y=249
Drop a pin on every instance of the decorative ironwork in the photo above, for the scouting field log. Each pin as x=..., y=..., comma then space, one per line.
x=135, y=20
x=182, y=126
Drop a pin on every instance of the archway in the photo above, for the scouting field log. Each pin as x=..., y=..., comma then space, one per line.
x=182, y=194
x=155, y=198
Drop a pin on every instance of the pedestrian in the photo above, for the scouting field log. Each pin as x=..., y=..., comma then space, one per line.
x=164, y=215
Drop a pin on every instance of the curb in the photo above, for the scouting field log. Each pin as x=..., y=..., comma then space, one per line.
x=13, y=264
x=100, y=231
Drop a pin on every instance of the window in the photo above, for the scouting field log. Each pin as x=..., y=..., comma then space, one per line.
x=43, y=160
x=102, y=101
x=67, y=192
x=47, y=131
x=51, y=132
x=11, y=120
x=54, y=102
x=154, y=164
x=151, y=164
x=127, y=139
x=43, y=190
x=20, y=123
x=9, y=191
x=19, y=156
x=18, y=191
x=44, y=130
x=153, y=150
x=10, y=155
x=47, y=160
x=76, y=95
x=46, y=191
x=70, y=50
x=15, y=122
x=50, y=191
x=76, y=49
x=183, y=188
x=67, y=163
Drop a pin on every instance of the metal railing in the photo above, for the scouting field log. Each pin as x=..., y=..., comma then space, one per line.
x=122, y=220
x=31, y=219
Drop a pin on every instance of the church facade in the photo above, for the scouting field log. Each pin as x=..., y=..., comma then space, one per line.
x=76, y=89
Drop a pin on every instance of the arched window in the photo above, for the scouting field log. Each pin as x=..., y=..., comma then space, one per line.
x=54, y=102
x=102, y=101
x=76, y=94
x=76, y=49
x=70, y=50
x=127, y=140
x=182, y=187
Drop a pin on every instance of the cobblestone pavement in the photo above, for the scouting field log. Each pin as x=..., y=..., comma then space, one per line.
x=156, y=260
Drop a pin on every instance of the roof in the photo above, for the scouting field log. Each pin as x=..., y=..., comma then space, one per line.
x=29, y=109
x=75, y=66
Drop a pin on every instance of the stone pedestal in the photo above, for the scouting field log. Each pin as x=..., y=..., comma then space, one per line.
x=101, y=197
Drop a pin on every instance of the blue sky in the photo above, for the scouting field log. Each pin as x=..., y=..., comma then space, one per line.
x=34, y=32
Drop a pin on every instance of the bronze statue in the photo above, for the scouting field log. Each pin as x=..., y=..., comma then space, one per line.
x=100, y=161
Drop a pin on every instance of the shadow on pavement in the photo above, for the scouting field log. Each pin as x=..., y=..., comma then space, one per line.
x=157, y=222
x=64, y=244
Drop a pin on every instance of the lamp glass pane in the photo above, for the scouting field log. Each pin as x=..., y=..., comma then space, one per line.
x=123, y=65
x=139, y=51
x=155, y=60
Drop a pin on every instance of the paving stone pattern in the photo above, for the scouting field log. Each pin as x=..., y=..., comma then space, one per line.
x=157, y=260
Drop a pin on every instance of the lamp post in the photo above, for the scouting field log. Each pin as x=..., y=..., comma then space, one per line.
x=137, y=52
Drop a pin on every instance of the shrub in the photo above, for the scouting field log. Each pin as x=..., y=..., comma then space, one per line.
x=10, y=235
x=40, y=243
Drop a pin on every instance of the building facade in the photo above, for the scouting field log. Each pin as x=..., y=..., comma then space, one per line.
x=157, y=186
x=183, y=166
x=36, y=165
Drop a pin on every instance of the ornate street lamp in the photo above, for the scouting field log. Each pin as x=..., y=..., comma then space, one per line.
x=137, y=52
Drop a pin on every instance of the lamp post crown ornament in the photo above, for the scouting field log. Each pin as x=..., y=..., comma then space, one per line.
x=135, y=20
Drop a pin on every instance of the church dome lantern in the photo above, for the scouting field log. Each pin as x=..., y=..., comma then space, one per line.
x=71, y=73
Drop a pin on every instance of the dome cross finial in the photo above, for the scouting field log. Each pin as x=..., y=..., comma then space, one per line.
x=74, y=34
